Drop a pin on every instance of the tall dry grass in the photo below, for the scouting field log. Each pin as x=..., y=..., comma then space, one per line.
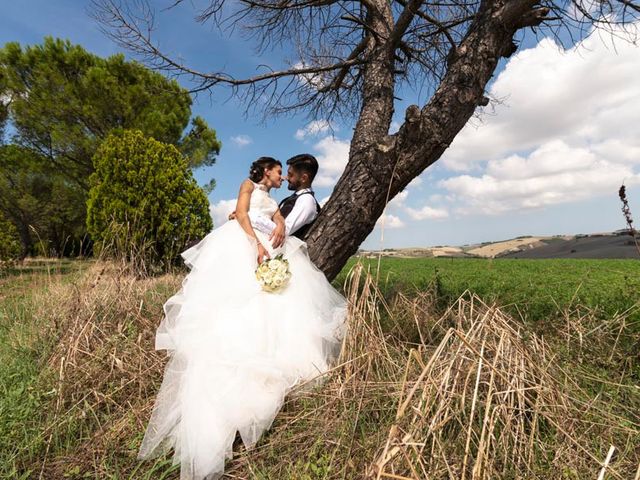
x=106, y=369
x=468, y=394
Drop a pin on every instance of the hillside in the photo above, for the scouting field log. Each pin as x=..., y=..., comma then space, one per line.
x=595, y=246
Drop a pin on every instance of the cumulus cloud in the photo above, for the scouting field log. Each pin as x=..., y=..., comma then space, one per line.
x=552, y=174
x=585, y=96
x=427, y=212
x=389, y=221
x=242, y=140
x=220, y=211
x=316, y=80
x=415, y=182
x=332, y=154
x=399, y=199
x=313, y=129
x=564, y=132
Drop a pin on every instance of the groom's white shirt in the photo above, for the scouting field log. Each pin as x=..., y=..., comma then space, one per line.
x=303, y=212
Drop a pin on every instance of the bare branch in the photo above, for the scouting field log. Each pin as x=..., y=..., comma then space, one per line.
x=334, y=41
x=630, y=4
x=411, y=8
x=130, y=35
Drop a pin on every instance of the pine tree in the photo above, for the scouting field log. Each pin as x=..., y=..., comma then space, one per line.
x=143, y=201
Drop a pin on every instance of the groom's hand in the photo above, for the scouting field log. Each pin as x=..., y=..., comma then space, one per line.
x=278, y=235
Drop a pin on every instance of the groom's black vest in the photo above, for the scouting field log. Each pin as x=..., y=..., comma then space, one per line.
x=286, y=206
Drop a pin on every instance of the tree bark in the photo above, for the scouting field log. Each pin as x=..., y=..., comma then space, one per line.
x=381, y=165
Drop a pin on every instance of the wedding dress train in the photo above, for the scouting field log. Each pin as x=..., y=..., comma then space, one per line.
x=235, y=350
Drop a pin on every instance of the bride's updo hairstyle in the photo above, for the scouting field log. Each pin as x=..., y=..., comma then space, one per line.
x=256, y=172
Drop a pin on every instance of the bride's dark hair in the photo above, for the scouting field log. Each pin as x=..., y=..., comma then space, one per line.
x=256, y=171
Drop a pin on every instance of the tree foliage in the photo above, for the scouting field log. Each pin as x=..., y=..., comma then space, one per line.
x=4, y=105
x=45, y=208
x=144, y=200
x=64, y=101
x=9, y=241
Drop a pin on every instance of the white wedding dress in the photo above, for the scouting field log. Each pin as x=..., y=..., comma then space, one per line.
x=235, y=351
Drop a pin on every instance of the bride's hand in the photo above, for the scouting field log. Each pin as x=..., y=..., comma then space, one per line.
x=278, y=235
x=262, y=253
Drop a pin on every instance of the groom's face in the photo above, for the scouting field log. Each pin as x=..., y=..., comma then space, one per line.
x=294, y=179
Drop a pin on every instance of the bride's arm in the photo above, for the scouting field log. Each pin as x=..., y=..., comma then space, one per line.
x=278, y=234
x=242, y=216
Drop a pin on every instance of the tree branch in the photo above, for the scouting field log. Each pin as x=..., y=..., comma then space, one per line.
x=411, y=8
x=129, y=35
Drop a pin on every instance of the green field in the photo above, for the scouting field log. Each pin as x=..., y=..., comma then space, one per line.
x=536, y=289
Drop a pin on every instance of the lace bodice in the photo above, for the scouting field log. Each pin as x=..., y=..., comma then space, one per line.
x=261, y=203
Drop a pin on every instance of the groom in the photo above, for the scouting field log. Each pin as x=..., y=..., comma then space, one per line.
x=301, y=208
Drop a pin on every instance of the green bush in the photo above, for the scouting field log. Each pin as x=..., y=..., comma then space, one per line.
x=144, y=204
x=9, y=241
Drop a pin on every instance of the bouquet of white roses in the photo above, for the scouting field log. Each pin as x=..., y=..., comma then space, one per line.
x=273, y=274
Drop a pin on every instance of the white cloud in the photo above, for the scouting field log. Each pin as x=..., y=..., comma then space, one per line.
x=398, y=205
x=314, y=128
x=389, y=221
x=220, y=211
x=587, y=96
x=242, y=140
x=333, y=155
x=399, y=199
x=552, y=174
x=427, y=212
x=567, y=131
x=314, y=80
x=415, y=182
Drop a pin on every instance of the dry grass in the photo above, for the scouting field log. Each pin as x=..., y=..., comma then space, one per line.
x=416, y=394
x=489, y=403
x=107, y=370
x=475, y=398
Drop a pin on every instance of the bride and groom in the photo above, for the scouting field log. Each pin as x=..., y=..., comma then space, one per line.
x=235, y=350
x=299, y=209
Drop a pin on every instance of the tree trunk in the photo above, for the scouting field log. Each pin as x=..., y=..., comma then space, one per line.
x=25, y=239
x=382, y=165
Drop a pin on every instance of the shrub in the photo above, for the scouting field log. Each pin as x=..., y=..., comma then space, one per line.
x=144, y=203
x=9, y=241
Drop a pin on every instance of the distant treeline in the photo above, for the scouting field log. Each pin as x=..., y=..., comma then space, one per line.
x=61, y=105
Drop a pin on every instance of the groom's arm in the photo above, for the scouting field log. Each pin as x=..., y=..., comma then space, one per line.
x=303, y=212
x=263, y=223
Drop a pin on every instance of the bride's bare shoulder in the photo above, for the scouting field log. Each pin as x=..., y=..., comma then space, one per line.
x=247, y=186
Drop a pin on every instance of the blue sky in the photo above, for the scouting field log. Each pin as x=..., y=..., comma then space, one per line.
x=546, y=158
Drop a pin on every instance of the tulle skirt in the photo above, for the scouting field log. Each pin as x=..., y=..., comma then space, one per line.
x=235, y=351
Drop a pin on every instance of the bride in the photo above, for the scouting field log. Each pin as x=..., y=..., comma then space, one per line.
x=235, y=350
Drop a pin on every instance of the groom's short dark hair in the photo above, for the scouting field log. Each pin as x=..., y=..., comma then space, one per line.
x=304, y=163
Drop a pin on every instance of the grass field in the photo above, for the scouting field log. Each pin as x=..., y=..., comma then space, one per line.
x=78, y=372
x=536, y=289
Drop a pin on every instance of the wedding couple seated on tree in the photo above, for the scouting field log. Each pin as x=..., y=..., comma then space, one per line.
x=254, y=318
